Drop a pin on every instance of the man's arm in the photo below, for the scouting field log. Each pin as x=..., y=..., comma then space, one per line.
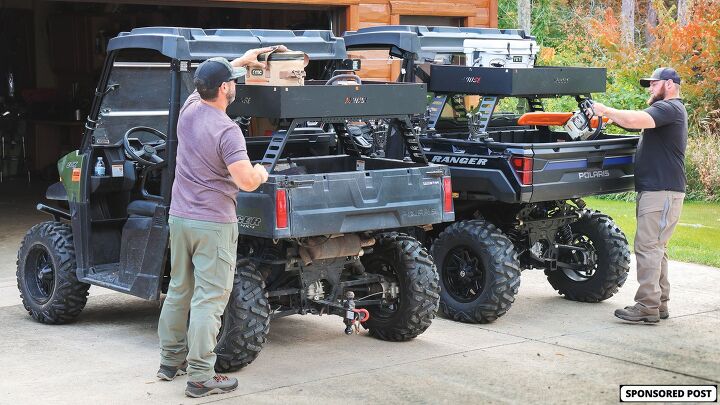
x=250, y=57
x=625, y=118
x=246, y=176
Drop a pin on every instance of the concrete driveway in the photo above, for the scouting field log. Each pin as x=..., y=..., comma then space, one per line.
x=545, y=350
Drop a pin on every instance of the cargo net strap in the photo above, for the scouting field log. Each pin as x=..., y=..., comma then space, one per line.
x=478, y=121
x=535, y=104
x=276, y=146
x=412, y=142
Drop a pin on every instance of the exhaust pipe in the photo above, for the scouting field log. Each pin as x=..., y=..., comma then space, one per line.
x=318, y=248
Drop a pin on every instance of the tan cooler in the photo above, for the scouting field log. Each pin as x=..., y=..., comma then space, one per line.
x=281, y=69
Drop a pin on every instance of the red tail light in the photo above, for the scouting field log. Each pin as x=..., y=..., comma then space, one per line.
x=523, y=166
x=281, y=211
x=447, y=195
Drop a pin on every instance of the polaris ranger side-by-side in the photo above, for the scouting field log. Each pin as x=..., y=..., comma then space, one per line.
x=315, y=239
x=518, y=177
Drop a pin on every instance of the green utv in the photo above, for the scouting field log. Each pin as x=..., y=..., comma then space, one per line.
x=315, y=239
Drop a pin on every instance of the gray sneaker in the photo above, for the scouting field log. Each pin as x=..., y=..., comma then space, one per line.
x=219, y=384
x=664, y=312
x=636, y=313
x=167, y=373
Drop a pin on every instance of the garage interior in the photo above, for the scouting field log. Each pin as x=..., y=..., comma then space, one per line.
x=51, y=55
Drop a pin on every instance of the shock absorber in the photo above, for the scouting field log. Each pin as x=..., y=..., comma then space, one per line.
x=565, y=234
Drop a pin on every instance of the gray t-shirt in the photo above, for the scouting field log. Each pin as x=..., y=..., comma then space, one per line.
x=660, y=158
x=208, y=142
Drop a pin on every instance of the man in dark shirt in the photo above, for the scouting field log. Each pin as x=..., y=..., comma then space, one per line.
x=660, y=183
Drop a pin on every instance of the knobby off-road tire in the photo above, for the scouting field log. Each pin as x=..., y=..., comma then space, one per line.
x=246, y=321
x=612, y=265
x=479, y=271
x=46, y=278
x=401, y=258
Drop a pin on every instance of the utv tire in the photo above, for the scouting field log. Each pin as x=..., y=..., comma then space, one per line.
x=402, y=258
x=479, y=271
x=598, y=231
x=46, y=278
x=246, y=321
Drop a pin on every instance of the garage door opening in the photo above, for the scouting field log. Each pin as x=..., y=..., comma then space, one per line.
x=53, y=51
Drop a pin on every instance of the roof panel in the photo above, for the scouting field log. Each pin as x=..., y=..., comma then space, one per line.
x=422, y=40
x=199, y=44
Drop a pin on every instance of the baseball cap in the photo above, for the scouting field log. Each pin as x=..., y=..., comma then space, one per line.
x=215, y=71
x=661, y=73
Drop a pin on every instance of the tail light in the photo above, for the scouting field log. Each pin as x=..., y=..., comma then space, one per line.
x=447, y=195
x=281, y=209
x=523, y=166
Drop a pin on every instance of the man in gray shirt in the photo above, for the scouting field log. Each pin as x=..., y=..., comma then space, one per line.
x=212, y=166
x=660, y=183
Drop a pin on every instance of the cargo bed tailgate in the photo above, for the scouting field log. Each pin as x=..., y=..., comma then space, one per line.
x=575, y=169
x=347, y=201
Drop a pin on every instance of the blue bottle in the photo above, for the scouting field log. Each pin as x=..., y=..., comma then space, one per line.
x=100, y=167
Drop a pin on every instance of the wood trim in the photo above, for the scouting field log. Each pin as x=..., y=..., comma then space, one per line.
x=294, y=2
x=436, y=9
x=493, y=10
x=352, y=15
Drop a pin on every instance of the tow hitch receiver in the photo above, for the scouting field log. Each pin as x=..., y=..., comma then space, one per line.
x=353, y=316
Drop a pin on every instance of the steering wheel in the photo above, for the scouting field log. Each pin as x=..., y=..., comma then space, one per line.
x=147, y=155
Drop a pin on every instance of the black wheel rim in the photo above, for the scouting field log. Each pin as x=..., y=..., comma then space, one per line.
x=463, y=274
x=586, y=254
x=39, y=274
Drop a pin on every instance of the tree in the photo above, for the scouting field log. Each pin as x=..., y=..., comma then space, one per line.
x=683, y=12
x=650, y=23
x=627, y=23
x=523, y=10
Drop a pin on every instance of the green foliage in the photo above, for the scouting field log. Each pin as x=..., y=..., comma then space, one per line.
x=696, y=238
x=575, y=33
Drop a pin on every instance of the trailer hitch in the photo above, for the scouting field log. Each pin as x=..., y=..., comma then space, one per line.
x=353, y=316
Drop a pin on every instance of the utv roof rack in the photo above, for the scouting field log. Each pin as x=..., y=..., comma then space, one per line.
x=424, y=41
x=200, y=44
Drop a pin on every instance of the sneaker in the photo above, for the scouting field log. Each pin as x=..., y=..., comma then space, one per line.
x=664, y=312
x=219, y=384
x=167, y=373
x=636, y=313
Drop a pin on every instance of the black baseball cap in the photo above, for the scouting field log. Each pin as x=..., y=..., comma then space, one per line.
x=216, y=71
x=662, y=73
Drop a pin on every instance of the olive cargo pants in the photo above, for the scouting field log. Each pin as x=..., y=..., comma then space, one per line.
x=202, y=257
x=657, y=214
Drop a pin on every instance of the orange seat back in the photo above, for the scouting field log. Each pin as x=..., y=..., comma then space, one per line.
x=544, y=118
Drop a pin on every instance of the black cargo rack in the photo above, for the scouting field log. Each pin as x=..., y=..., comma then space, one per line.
x=333, y=104
x=517, y=82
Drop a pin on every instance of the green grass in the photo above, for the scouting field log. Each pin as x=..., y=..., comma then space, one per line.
x=696, y=238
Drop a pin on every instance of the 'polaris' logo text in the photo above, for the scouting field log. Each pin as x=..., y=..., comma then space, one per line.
x=459, y=160
x=473, y=79
x=249, y=222
x=355, y=100
x=595, y=174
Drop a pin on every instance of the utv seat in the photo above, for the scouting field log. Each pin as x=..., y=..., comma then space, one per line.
x=142, y=208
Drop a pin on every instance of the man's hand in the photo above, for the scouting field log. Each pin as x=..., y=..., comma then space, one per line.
x=601, y=109
x=627, y=119
x=250, y=57
x=262, y=171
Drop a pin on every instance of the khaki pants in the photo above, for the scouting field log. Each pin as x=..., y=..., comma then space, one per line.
x=202, y=257
x=657, y=214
